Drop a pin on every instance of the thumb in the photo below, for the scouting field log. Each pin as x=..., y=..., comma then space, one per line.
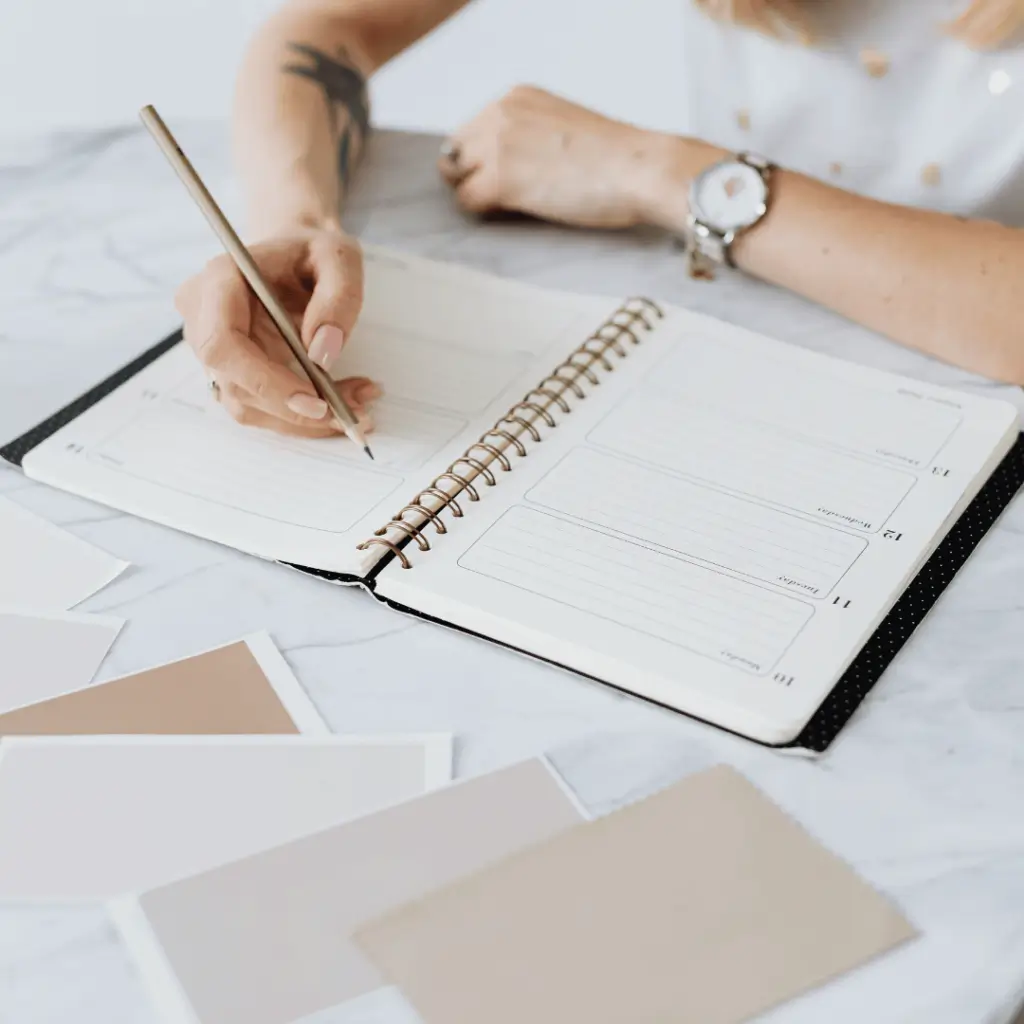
x=336, y=264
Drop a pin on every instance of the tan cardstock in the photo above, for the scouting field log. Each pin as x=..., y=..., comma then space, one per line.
x=221, y=692
x=704, y=904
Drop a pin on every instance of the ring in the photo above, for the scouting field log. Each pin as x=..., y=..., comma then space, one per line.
x=450, y=151
x=214, y=389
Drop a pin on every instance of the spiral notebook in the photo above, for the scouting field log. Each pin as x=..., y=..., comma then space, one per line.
x=728, y=526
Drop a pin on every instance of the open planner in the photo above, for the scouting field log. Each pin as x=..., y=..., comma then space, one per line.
x=729, y=526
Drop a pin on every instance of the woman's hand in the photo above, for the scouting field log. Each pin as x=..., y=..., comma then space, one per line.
x=535, y=153
x=318, y=275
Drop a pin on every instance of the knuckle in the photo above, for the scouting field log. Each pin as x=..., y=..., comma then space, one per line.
x=218, y=269
x=239, y=412
x=504, y=117
x=230, y=393
x=477, y=194
x=344, y=245
x=184, y=297
x=261, y=386
x=523, y=91
x=213, y=349
x=327, y=246
x=351, y=290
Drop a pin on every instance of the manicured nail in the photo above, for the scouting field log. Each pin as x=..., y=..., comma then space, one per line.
x=308, y=405
x=368, y=392
x=326, y=345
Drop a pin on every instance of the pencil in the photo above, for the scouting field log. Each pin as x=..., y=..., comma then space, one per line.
x=320, y=379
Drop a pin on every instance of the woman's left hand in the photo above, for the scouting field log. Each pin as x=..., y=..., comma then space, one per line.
x=538, y=154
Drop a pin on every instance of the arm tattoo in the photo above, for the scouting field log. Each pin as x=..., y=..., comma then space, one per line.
x=344, y=86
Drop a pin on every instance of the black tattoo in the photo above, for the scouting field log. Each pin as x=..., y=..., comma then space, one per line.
x=344, y=87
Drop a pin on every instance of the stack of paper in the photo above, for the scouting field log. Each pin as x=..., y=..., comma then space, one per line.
x=262, y=870
x=137, y=781
x=114, y=787
x=495, y=900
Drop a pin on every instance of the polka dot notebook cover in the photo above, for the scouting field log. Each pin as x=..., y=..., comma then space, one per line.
x=734, y=528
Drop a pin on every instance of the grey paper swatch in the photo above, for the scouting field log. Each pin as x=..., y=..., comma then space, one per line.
x=46, y=654
x=267, y=940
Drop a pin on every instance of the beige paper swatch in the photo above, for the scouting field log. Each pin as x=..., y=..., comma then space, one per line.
x=704, y=904
x=91, y=818
x=267, y=939
x=243, y=688
x=46, y=653
x=45, y=567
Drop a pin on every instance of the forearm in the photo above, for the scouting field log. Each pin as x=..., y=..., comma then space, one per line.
x=301, y=108
x=938, y=283
x=301, y=117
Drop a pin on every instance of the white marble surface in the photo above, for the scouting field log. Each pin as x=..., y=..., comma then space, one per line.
x=924, y=792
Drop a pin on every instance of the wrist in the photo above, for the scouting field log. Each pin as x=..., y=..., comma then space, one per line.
x=289, y=209
x=669, y=165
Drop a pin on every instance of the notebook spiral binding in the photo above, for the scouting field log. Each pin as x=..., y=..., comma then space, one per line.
x=624, y=327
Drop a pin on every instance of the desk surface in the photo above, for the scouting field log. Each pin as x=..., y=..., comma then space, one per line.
x=924, y=793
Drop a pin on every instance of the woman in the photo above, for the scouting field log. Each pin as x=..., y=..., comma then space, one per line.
x=897, y=198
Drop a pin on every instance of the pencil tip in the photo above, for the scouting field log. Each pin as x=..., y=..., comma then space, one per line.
x=366, y=448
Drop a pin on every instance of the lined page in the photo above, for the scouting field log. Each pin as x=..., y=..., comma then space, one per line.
x=713, y=527
x=631, y=585
x=452, y=349
x=719, y=526
x=790, y=471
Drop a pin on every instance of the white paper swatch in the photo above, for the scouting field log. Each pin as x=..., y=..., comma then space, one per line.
x=44, y=654
x=46, y=567
x=91, y=818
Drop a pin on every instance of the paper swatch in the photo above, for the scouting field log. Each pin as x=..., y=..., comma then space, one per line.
x=243, y=688
x=704, y=904
x=267, y=940
x=93, y=818
x=43, y=654
x=46, y=567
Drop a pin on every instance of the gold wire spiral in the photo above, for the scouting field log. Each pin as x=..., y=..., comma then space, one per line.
x=626, y=324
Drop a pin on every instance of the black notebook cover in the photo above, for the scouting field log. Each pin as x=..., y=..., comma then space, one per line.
x=866, y=668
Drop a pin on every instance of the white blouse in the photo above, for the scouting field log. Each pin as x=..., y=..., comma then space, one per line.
x=885, y=104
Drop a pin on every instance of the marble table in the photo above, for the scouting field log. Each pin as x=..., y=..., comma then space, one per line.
x=923, y=793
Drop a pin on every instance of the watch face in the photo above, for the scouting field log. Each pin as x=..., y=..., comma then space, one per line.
x=729, y=196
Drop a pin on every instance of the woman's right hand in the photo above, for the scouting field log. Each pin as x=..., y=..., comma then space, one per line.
x=318, y=276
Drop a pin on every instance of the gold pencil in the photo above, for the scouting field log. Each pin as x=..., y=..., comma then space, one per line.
x=236, y=249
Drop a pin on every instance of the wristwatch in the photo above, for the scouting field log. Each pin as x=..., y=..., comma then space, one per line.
x=726, y=199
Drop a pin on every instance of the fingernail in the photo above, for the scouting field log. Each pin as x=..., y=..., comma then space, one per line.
x=368, y=392
x=308, y=405
x=326, y=345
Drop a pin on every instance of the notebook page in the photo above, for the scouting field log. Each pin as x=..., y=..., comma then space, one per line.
x=453, y=350
x=719, y=527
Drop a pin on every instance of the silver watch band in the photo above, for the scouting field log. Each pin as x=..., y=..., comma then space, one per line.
x=754, y=160
x=710, y=244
